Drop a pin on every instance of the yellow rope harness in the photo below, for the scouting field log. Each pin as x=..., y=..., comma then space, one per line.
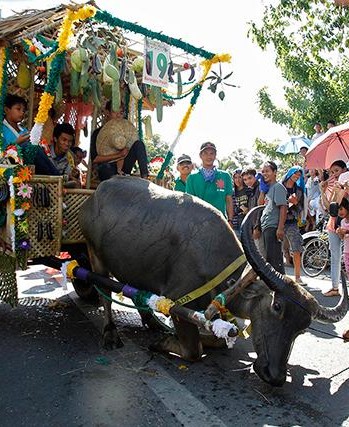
x=207, y=287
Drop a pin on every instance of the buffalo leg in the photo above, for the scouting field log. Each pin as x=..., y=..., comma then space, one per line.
x=110, y=336
x=186, y=343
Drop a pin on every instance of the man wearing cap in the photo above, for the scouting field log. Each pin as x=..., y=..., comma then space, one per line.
x=211, y=184
x=184, y=167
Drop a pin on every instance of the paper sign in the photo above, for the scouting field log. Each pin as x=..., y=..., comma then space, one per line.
x=157, y=59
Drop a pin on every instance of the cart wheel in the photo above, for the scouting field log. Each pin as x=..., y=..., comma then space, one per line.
x=315, y=257
x=85, y=291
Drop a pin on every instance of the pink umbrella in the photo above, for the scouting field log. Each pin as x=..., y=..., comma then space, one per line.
x=331, y=146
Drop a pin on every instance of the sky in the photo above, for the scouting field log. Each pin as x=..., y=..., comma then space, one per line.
x=219, y=27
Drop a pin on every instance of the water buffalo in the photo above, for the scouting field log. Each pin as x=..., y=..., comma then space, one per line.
x=172, y=243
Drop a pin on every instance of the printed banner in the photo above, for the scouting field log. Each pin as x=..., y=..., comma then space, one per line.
x=157, y=59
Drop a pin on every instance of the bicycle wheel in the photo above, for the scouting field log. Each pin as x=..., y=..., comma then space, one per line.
x=315, y=257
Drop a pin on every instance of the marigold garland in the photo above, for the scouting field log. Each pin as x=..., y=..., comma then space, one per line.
x=46, y=102
x=64, y=35
x=66, y=30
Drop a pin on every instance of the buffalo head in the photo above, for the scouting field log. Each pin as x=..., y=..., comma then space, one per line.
x=281, y=314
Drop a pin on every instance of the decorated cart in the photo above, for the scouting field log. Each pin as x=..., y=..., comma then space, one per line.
x=67, y=62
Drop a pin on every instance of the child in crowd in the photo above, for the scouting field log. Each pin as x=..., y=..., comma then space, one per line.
x=343, y=233
x=14, y=133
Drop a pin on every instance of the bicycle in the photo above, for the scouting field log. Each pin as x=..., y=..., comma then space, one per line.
x=316, y=256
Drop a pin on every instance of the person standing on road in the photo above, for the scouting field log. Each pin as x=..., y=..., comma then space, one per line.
x=274, y=217
x=211, y=184
x=335, y=195
x=184, y=167
x=294, y=183
x=343, y=233
x=240, y=201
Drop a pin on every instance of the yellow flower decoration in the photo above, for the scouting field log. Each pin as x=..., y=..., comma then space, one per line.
x=2, y=63
x=66, y=30
x=206, y=65
x=64, y=35
x=23, y=226
x=46, y=102
x=163, y=305
x=16, y=180
x=12, y=209
x=24, y=174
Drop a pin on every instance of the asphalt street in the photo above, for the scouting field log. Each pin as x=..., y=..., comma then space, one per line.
x=53, y=371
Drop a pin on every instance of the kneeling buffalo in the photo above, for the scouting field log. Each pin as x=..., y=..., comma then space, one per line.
x=171, y=243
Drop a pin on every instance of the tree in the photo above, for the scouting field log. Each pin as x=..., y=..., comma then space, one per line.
x=237, y=159
x=311, y=41
x=156, y=147
x=257, y=160
x=284, y=162
x=228, y=163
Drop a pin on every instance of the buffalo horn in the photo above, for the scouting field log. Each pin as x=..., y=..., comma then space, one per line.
x=334, y=314
x=273, y=279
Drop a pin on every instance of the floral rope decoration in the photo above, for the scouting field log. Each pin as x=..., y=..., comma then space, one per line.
x=4, y=56
x=20, y=196
x=206, y=64
x=64, y=35
x=106, y=17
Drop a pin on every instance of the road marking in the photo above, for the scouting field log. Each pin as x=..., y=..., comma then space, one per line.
x=187, y=409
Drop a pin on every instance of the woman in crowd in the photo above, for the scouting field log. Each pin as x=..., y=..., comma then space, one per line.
x=240, y=201
x=331, y=192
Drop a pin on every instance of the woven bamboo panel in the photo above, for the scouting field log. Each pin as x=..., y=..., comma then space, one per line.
x=72, y=202
x=50, y=216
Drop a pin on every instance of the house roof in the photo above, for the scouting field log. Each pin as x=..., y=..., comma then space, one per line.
x=30, y=22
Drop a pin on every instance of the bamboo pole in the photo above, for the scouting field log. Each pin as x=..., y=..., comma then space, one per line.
x=93, y=127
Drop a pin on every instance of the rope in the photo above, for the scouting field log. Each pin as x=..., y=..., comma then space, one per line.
x=326, y=333
x=135, y=307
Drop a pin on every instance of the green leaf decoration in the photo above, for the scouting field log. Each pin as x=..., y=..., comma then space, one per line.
x=221, y=95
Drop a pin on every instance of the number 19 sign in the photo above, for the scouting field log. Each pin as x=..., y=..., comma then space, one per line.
x=157, y=58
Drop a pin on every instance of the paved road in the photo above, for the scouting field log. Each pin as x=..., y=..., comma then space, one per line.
x=54, y=373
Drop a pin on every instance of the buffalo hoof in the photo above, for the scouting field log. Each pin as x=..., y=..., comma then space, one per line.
x=171, y=345
x=150, y=322
x=211, y=341
x=110, y=338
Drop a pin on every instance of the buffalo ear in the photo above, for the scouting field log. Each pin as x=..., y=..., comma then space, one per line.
x=255, y=289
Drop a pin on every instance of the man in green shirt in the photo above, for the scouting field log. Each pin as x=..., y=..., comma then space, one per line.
x=211, y=184
x=184, y=167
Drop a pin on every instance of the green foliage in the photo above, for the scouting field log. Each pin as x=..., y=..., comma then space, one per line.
x=284, y=162
x=228, y=163
x=311, y=40
x=257, y=160
x=156, y=147
x=241, y=159
x=218, y=79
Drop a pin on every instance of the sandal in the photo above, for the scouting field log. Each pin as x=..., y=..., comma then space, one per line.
x=346, y=335
x=331, y=293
